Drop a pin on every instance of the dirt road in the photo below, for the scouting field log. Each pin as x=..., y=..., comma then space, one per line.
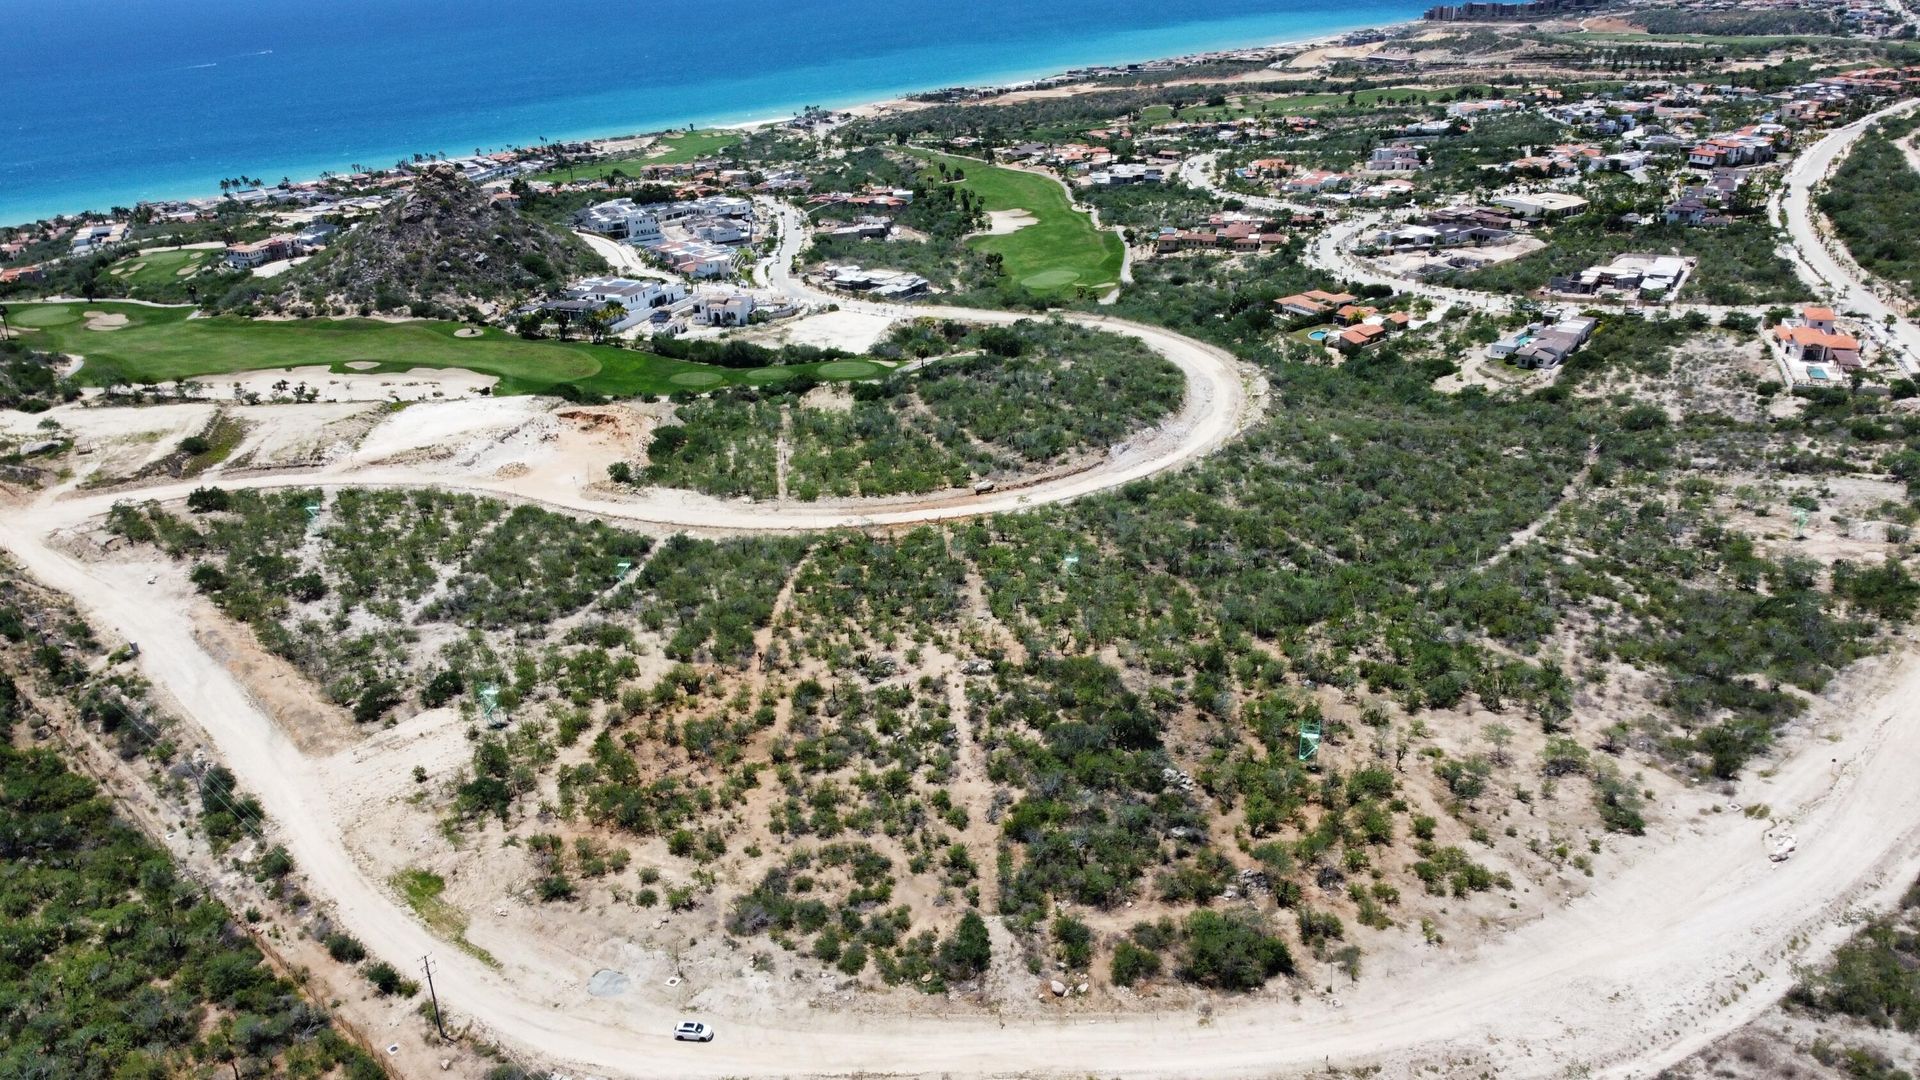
x=1679, y=948
x=1648, y=967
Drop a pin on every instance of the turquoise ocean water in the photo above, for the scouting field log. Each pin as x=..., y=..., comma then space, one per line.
x=106, y=102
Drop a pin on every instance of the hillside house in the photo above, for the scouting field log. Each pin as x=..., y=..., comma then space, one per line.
x=1542, y=205
x=1316, y=182
x=1314, y=303
x=1356, y=338
x=260, y=252
x=1396, y=157
x=1814, y=346
x=1649, y=276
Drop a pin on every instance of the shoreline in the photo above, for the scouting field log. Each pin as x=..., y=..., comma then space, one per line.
x=864, y=105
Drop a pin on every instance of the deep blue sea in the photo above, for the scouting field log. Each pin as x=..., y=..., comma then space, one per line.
x=106, y=102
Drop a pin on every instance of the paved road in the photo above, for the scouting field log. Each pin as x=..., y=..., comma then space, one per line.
x=1331, y=250
x=1849, y=288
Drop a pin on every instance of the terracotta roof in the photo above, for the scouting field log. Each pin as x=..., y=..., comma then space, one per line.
x=1805, y=336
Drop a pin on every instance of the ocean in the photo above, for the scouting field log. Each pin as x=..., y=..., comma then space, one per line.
x=107, y=102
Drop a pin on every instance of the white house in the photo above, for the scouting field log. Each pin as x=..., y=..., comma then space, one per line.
x=1542, y=204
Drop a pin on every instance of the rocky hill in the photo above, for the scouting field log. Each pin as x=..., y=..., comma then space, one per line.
x=442, y=247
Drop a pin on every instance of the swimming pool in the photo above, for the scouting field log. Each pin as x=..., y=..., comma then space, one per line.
x=1317, y=335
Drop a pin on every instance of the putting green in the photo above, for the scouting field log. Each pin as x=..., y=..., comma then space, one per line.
x=42, y=315
x=1049, y=279
x=696, y=378
x=849, y=369
x=767, y=375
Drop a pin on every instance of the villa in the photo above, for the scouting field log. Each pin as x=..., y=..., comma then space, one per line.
x=260, y=252
x=1314, y=303
x=1813, y=347
x=1540, y=205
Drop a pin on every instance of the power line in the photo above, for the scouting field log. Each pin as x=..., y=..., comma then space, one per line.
x=426, y=964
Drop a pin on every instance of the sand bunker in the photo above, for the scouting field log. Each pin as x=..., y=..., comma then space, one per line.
x=363, y=365
x=416, y=384
x=468, y=332
x=1002, y=222
x=101, y=320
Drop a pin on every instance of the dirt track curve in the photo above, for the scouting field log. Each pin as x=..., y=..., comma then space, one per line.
x=1686, y=944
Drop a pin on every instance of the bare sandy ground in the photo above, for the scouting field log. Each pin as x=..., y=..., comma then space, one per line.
x=417, y=384
x=277, y=267
x=113, y=442
x=854, y=331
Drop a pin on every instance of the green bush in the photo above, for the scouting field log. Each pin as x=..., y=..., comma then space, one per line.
x=389, y=981
x=967, y=953
x=345, y=948
x=1131, y=963
x=1232, y=951
x=1075, y=941
x=204, y=500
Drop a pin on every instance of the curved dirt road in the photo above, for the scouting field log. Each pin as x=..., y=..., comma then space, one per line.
x=1644, y=969
x=1686, y=944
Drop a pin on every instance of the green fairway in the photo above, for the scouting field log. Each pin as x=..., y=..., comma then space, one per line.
x=1061, y=250
x=673, y=148
x=1291, y=104
x=162, y=268
x=163, y=344
x=680, y=147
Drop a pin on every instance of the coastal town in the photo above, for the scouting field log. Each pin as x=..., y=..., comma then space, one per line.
x=1383, y=555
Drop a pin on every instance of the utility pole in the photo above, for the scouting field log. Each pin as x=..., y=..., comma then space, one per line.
x=426, y=964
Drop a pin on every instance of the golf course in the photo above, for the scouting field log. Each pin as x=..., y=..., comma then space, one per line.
x=672, y=148
x=1061, y=250
x=162, y=266
x=134, y=344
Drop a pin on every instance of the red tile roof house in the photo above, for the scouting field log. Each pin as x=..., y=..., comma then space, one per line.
x=247, y=256
x=1317, y=180
x=1811, y=346
x=1313, y=302
x=1359, y=337
x=1185, y=240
